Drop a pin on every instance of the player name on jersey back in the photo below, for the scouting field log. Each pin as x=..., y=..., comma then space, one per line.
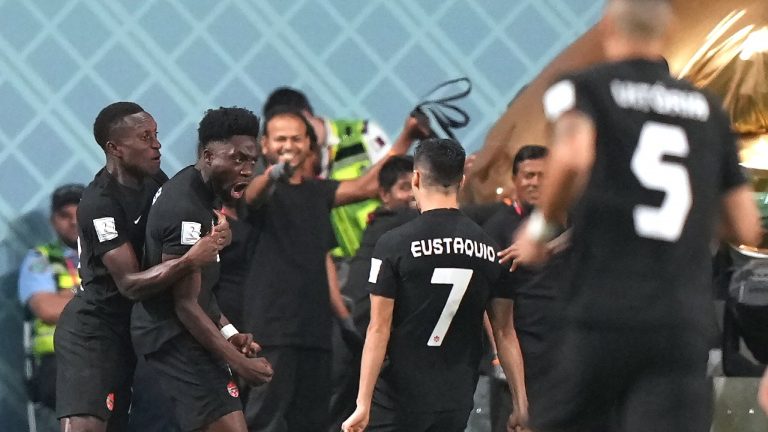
x=646, y=97
x=453, y=245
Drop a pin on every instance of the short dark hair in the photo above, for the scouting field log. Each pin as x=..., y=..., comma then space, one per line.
x=111, y=116
x=528, y=152
x=441, y=162
x=289, y=97
x=287, y=110
x=223, y=123
x=65, y=195
x=392, y=169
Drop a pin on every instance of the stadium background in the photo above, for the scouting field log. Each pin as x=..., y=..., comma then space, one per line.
x=61, y=61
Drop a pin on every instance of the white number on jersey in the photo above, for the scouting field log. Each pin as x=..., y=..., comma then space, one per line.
x=459, y=280
x=665, y=222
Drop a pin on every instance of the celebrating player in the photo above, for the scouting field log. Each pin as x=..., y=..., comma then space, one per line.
x=648, y=162
x=92, y=341
x=430, y=282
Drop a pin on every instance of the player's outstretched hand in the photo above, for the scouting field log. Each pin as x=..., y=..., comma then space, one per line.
x=245, y=344
x=255, y=371
x=506, y=256
x=357, y=421
x=518, y=421
x=762, y=393
x=281, y=171
x=221, y=230
x=205, y=250
x=530, y=253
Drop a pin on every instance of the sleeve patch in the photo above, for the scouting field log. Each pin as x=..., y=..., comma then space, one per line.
x=190, y=232
x=375, y=267
x=560, y=98
x=105, y=229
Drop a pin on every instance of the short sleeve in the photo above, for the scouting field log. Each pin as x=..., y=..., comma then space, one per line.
x=180, y=232
x=35, y=276
x=377, y=143
x=731, y=174
x=498, y=228
x=103, y=224
x=382, y=279
x=504, y=286
x=565, y=96
x=328, y=191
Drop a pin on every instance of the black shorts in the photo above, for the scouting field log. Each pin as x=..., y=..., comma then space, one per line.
x=199, y=386
x=94, y=374
x=630, y=380
x=384, y=419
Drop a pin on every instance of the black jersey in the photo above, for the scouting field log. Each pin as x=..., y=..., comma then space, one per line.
x=181, y=213
x=441, y=270
x=287, y=302
x=664, y=156
x=234, y=270
x=109, y=215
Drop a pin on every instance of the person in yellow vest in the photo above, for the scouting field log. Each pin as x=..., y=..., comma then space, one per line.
x=348, y=147
x=47, y=278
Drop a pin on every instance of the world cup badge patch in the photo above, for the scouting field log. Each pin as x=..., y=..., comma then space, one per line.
x=232, y=389
x=111, y=401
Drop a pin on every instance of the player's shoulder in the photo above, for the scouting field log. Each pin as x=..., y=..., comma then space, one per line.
x=176, y=196
x=400, y=235
x=101, y=195
x=473, y=231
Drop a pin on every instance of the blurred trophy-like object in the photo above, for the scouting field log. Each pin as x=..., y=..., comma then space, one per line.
x=733, y=64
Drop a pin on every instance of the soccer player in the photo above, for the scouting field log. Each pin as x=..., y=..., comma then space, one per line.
x=182, y=333
x=92, y=340
x=646, y=162
x=431, y=280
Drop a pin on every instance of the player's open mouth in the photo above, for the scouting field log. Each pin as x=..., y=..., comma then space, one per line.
x=238, y=189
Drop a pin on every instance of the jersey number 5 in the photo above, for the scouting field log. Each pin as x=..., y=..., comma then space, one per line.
x=665, y=222
x=459, y=279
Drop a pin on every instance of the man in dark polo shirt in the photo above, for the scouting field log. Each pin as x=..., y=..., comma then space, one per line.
x=182, y=334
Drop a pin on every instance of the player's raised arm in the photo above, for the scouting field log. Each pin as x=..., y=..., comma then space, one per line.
x=569, y=164
x=367, y=185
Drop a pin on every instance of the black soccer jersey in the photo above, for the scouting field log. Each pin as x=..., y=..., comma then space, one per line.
x=109, y=215
x=441, y=270
x=641, y=231
x=181, y=214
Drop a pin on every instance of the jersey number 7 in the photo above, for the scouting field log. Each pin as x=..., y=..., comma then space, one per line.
x=459, y=279
x=657, y=140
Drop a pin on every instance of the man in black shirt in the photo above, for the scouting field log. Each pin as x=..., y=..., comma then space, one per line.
x=531, y=300
x=397, y=207
x=182, y=334
x=288, y=300
x=527, y=173
x=431, y=280
x=92, y=340
x=648, y=162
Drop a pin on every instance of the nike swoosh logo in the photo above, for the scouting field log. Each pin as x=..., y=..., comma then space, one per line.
x=136, y=222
